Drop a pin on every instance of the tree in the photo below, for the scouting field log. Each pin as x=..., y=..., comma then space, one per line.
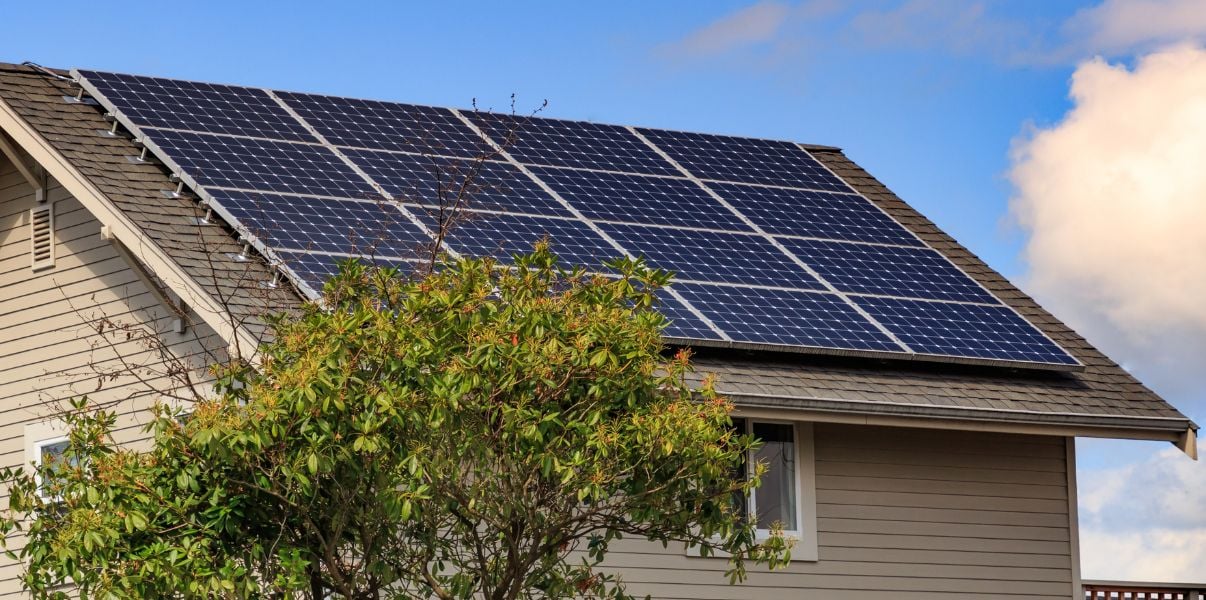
x=473, y=432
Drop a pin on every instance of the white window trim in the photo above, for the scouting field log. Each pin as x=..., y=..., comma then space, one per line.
x=38, y=436
x=805, y=534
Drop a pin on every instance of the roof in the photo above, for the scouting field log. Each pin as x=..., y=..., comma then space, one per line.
x=1102, y=395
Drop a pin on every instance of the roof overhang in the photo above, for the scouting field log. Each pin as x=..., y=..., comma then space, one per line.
x=1180, y=432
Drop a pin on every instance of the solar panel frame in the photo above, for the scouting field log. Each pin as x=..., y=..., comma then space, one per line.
x=488, y=185
x=576, y=144
x=815, y=214
x=713, y=256
x=388, y=126
x=713, y=157
x=639, y=199
x=260, y=116
x=784, y=318
x=888, y=270
x=1001, y=334
x=262, y=165
x=344, y=227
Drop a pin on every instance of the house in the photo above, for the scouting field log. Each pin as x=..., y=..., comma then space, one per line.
x=903, y=476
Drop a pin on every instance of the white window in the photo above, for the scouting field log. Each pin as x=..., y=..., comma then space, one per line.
x=51, y=454
x=786, y=497
x=45, y=444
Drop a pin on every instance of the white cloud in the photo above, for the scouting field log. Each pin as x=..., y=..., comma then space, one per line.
x=1114, y=201
x=1116, y=27
x=1145, y=521
x=752, y=25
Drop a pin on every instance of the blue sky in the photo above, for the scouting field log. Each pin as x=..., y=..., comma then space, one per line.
x=928, y=95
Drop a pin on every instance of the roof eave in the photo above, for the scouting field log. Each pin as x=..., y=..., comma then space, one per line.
x=1179, y=431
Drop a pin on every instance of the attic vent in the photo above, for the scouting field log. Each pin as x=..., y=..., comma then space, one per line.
x=41, y=220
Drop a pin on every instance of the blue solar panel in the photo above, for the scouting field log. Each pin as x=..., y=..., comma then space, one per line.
x=713, y=257
x=481, y=185
x=315, y=269
x=501, y=235
x=639, y=199
x=888, y=270
x=572, y=144
x=745, y=160
x=969, y=330
x=300, y=196
x=263, y=165
x=388, y=126
x=791, y=318
x=347, y=226
x=683, y=323
x=808, y=213
x=175, y=104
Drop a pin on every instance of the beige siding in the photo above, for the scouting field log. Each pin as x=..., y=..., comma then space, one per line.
x=904, y=514
x=50, y=350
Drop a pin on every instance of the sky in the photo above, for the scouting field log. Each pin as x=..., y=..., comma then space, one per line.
x=1062, y=142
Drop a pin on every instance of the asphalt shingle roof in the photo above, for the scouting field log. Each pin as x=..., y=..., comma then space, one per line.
x=1101, y=392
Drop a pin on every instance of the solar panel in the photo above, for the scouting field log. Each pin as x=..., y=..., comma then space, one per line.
x=388, y=126
x=888, y=270
x=265, y=165
x=814, y=214
x=683, y=323
x=349, y=227
x=712, y=256
x=786, y=318
x=639, y=199
x=501, y=235
x=746, y=160
x=965, y=330
x=175, y=104
x=771, y=248
x=572, y=144
x=315, y=269
x=434, y=180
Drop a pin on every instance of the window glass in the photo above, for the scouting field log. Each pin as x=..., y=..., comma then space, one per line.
x=52, y=455
x=775, y=500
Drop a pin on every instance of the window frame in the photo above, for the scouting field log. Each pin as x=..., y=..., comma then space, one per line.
x=805, y=533
x=37, y=436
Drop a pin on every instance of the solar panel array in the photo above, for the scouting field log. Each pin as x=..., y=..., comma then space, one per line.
x=771, y=248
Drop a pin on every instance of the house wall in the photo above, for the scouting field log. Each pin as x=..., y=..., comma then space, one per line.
x=904, y=514
x=50, y=350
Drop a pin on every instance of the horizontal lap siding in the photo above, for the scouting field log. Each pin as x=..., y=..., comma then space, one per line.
x=50, y=350
x=903, y=514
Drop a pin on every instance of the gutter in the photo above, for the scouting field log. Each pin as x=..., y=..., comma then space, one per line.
x=1180, y=431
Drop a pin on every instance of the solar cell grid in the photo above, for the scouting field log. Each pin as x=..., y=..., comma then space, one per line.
x=263, y=165
x=501, y=235
x=791, y=318
x=315, y=269
x=388, y=125
x=481, y=185
x=746, y=160
x=175, y=104
x=639, y=199
x=350, y=227
x=713, y=257
x=888, y=270
x=816, y=214
x=683, y=323
x=967, y=330
x=572, y=144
